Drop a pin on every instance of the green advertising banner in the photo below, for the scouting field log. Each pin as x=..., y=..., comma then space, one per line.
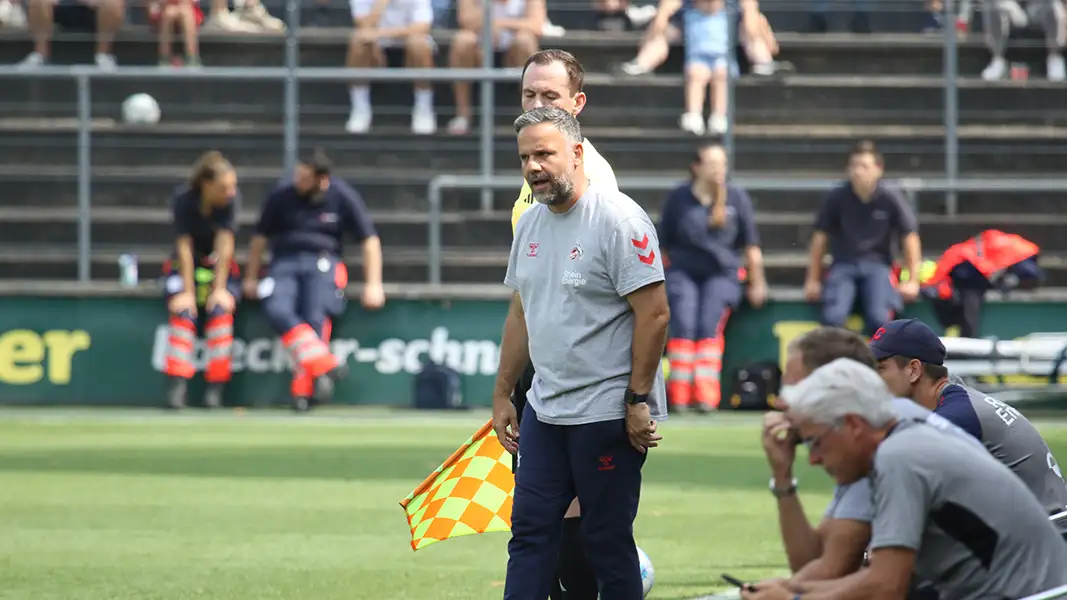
x=110, y=351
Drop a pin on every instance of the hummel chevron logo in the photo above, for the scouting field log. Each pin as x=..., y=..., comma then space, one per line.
x=641, y=243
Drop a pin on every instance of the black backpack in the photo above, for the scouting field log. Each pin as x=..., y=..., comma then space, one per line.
x=755, y=386
x=437, y=387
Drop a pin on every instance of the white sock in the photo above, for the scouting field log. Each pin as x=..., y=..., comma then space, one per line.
x=360, y=95
x=424, y=99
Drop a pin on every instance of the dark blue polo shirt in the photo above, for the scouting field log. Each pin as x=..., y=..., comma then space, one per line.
x=295, y=224
x=189, y=219
x=693, y=245
x=865, y=231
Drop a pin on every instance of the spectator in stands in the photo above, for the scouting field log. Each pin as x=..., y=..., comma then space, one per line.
x=392, y=32
x=517, y=29
x=104, y=17
x=944, y=512
x=705, y=23
x=707, y=232
x=1000, y=16
x=859, y=220
x=861, y=21
x=184, y=16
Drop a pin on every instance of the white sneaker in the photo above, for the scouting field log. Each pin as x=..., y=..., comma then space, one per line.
x=459, y=126
x=632, y=68
x=32, y=61
x=106, y=62
x=423, y=121
x=1055, y=68
x=227, y=21
x=552, y=31
x=258, y=15
x=692, y=122
x=718, y=123
x=997, y=69
x=359, y=120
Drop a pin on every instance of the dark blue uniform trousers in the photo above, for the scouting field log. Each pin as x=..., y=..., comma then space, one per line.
x=557, y=462
x=867, y=280
x=303, y=292
x=700, y=305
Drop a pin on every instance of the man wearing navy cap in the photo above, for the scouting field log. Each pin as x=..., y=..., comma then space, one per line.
x=911, y=361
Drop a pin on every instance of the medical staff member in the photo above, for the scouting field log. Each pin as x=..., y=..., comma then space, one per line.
x=200, y=281
x=591, y=313
x=305, y=220
x=861, y=222
x=708, y=233
x=555, y=78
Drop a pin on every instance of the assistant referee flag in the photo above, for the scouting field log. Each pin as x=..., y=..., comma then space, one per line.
x=469, y=493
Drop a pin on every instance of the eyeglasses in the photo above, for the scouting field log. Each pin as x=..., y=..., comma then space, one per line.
x=813, y=442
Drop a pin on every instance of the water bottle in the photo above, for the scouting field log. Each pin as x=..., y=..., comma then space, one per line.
x=128, y=270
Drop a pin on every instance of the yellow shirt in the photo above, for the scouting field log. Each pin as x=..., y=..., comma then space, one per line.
x=596, y=169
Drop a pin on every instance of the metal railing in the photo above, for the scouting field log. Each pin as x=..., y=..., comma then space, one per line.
x=910, y=185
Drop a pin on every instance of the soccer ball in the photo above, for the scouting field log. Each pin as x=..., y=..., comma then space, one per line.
x=140, y=109
x=648, y=574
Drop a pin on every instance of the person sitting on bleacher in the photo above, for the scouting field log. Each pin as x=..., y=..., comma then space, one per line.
x=517, y=27
x=183, y=16
x=911, y=362
x=943, y=512
x=999, y=17
x=391, y=33
x=858, y=221
x=102, y=17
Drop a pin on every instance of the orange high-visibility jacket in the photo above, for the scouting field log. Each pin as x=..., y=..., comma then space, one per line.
x=990, y=252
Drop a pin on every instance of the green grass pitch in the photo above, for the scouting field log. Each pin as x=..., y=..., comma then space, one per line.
x=117, y=505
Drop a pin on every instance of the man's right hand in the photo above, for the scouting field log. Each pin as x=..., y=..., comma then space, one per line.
x=778, y=444
x=250, y=287
x=184, y=301
x=812, y=290
x=506, y=424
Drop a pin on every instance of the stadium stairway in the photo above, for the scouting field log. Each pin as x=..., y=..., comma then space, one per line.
x=846, y=88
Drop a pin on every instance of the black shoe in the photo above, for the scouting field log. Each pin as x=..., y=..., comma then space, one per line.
x=176, y=393
x=213, y=396
x=861, y=23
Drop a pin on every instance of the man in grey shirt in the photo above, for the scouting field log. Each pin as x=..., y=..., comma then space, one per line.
x=954, y=516
x=911, y=361
x=590, y=311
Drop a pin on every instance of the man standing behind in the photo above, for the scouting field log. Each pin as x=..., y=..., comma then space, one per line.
x=585, y=267
x=858, y=221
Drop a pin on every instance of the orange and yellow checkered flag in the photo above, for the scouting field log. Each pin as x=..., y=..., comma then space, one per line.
x=469, y=493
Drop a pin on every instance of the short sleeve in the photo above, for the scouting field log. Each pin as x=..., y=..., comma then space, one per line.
x=633, y=256
x=903, y=215
x=510, y=279
x=180, y=216
x=852, y=501
x=360, y=8
x=902, y=498
x=269, y=217
x=827, y=216
x=746, y=220
x=357, y=217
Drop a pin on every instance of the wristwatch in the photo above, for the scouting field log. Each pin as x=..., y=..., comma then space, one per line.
x=782, y=493
x=633, y=397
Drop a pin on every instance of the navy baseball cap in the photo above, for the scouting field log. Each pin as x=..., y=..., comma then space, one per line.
x=910, y=338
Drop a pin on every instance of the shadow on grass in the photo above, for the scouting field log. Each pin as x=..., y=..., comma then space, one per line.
x=348, y=464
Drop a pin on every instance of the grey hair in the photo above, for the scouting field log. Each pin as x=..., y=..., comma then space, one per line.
x=838, y=388
x=562, y=120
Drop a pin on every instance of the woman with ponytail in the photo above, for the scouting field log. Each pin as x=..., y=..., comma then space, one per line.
x=711, y=247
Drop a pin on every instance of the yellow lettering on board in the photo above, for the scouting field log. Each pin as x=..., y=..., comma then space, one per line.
x=23, y=354
x=62, y=345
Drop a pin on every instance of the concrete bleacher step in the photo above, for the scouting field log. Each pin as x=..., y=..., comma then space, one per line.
x=394, y=189
x=844, y=53
x=647, y=101
x=765, y=148
x=780, y=231
x=784, y=270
